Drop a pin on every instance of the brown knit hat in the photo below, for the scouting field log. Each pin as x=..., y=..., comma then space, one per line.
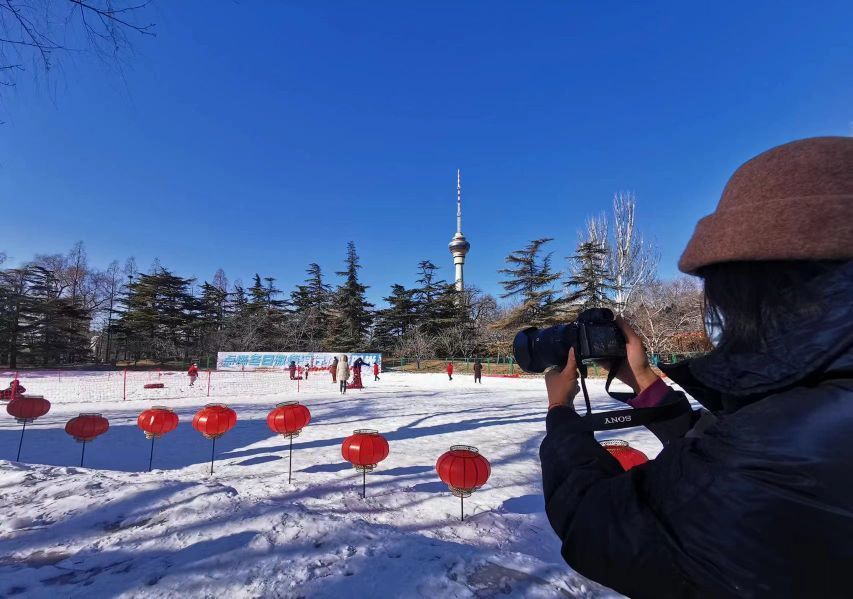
x=793, y=202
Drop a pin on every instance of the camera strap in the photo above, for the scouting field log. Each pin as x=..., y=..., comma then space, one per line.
x=615, y=419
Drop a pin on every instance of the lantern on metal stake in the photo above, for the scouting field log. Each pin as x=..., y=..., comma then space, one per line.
x=25, y=409
x=156, y=422
x=85, y=428
x=364, y=449
x=213, y=421
x=464, y=470
x=627, y=456
x=288, y=419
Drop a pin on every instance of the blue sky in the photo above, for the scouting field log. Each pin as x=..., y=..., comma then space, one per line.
x=261, y=136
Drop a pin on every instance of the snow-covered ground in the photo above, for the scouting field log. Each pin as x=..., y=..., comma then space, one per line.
x=113, y=529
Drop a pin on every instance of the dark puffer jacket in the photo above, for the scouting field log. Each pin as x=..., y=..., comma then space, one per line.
x=758, y=504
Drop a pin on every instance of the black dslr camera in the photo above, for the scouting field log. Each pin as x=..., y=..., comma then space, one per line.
x=594, y=335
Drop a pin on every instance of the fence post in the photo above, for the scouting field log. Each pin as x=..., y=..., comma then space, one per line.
x=511, y=366
x=208, y=382
x=124, y=392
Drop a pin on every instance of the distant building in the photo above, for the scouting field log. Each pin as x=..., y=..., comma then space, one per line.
x=459, y=246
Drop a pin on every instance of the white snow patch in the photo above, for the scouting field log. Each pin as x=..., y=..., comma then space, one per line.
x=112, y=529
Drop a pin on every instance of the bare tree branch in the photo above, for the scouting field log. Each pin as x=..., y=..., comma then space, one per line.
x=41, y=28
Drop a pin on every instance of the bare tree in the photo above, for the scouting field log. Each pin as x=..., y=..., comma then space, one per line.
x=36, y=33
x=665, y=314
x=220, y=281
x=632, y=261
x=415, y=345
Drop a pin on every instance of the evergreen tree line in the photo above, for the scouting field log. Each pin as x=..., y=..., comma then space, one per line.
x=58, y=310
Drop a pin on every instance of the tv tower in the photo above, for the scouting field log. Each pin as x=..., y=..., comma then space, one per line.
x=459, y=246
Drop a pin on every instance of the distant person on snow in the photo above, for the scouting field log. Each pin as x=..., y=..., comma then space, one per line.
x=292, y=369
x=450, y=370
x=376, y=371
x=334, y=370
x=307, y=367
x=356, y=373
x=15, y=388
x=478, y=371
x=751, y=496
x=193, y=373
x=343, y=373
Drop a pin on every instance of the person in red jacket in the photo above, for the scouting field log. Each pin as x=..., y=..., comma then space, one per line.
x=450, y=370
x=193, y=373
x=376, y=371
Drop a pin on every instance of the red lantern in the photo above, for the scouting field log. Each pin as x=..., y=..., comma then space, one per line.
x=628, y=456
x=464, y=470
x=85, y=428
x=25, y=409
x=213, y=421
x=288, y=419
x=364, y=449
x=156, y=422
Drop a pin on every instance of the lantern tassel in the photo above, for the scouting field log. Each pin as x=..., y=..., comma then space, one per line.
x=151, y=455
x=462, y=506
x=212, y=453
x=82, y=453
x=290, y=461
x=21, y=442
x=363, y=484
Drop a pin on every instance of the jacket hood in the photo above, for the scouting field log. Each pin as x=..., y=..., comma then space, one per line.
x=812, y=345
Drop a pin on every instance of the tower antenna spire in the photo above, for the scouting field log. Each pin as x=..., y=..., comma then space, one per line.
x=459, y=246
x=458, y=201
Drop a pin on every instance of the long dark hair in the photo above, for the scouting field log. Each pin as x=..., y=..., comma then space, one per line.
x=749, y=301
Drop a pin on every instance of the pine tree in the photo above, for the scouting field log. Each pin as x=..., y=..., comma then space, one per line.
x=311, y=305
x=351, y=315
x=437, y=302
x=159, y=314
x=589, y=284
x=393, y=322
x=38, y=324
x=530, y=280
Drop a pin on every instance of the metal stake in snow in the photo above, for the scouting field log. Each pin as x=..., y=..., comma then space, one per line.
x=21, y=442
x=151, y=455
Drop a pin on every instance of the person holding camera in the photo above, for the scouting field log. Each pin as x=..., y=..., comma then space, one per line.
x=751, y=496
